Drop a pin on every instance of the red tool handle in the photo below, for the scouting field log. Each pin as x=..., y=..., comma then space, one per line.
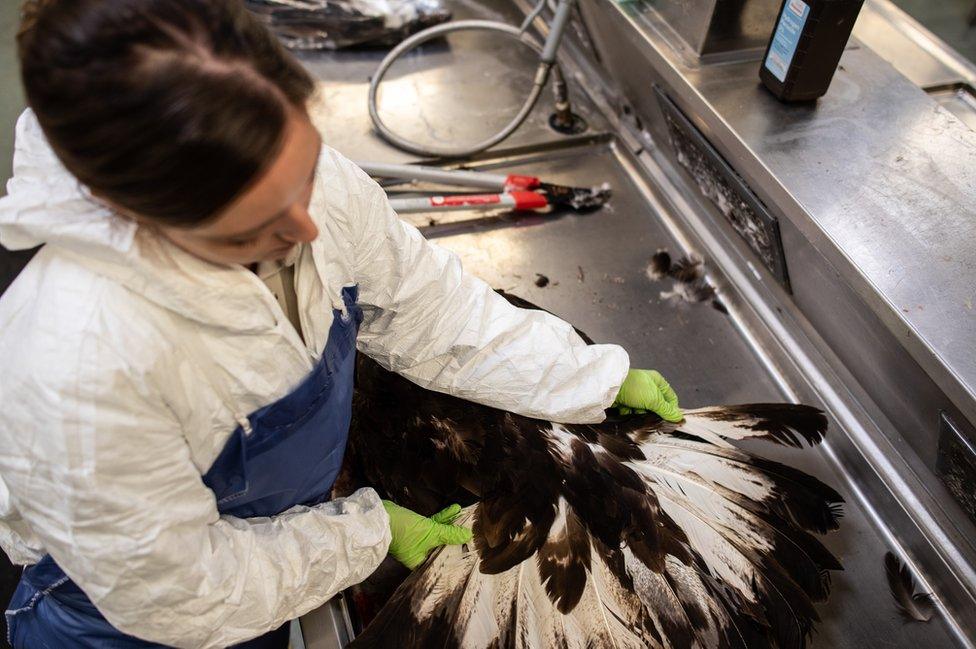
x=517, y=200
x=529, y=200
x=514, y=181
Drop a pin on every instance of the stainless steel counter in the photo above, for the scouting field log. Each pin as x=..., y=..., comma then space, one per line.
x=878, y=175
x=871, y=189
x=882, y=181
x=596, y=265
x=912, y=49
x=927, y=61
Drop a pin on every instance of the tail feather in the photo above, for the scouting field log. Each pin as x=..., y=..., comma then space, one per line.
x=782, y=423
x=510, y=529
x=672, y=620
x=724, y=508
x=564, y=559
x=764, y=484
x=433, y=616
x=613, y=601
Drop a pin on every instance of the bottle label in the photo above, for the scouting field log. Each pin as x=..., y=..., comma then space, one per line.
x=786, y=38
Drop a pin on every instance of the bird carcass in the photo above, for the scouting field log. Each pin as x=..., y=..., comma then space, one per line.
x=630, y=533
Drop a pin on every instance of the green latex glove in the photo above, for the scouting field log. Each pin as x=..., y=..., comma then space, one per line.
x=647, y=391
x=414, y=535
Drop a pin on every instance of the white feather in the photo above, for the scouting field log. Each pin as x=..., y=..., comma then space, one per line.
x=690, y=489
x=722, y=558
x=692, y=456
x=704, y=429
x=606, y=601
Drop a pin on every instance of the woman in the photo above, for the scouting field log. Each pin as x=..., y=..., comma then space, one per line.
x=169, y=435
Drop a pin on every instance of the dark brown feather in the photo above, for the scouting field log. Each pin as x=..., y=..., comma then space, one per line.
x=660, y=264
x=510, y=529
x=563, y=562
x=912, y=605
x=687, y=270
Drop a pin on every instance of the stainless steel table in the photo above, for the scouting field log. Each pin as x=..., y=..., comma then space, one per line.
x=768, y=346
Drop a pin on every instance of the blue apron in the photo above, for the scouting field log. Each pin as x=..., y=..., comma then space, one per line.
x=291, y=456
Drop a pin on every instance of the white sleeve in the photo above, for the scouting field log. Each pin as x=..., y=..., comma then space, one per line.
x=444, y=329
x=117, y=502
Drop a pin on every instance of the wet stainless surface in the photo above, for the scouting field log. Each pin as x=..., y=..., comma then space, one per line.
x=959, y=99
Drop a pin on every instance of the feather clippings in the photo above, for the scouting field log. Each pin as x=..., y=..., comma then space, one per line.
x=912, y=605
x=687, y=269
x=660, y=265
x=688, y=275
x=630, y=533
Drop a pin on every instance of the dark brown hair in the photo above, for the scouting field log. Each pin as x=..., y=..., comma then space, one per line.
x=168, y=108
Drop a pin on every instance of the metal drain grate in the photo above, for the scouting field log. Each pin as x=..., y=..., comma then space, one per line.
x=956, y=464
x=722, y=185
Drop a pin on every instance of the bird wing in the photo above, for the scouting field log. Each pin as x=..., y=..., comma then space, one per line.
x=635, y=533
x=631, y=533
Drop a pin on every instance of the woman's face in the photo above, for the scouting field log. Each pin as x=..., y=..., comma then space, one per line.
x=271, y=217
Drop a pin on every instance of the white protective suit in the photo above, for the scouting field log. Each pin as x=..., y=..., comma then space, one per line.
x=128, y=362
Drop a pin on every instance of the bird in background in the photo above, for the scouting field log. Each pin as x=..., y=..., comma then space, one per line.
x=634, y=532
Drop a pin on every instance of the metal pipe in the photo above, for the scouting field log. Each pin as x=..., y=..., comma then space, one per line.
x=459, y=177
x=556, y=31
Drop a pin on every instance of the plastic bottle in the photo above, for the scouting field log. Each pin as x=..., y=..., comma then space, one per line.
x=806, y=46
